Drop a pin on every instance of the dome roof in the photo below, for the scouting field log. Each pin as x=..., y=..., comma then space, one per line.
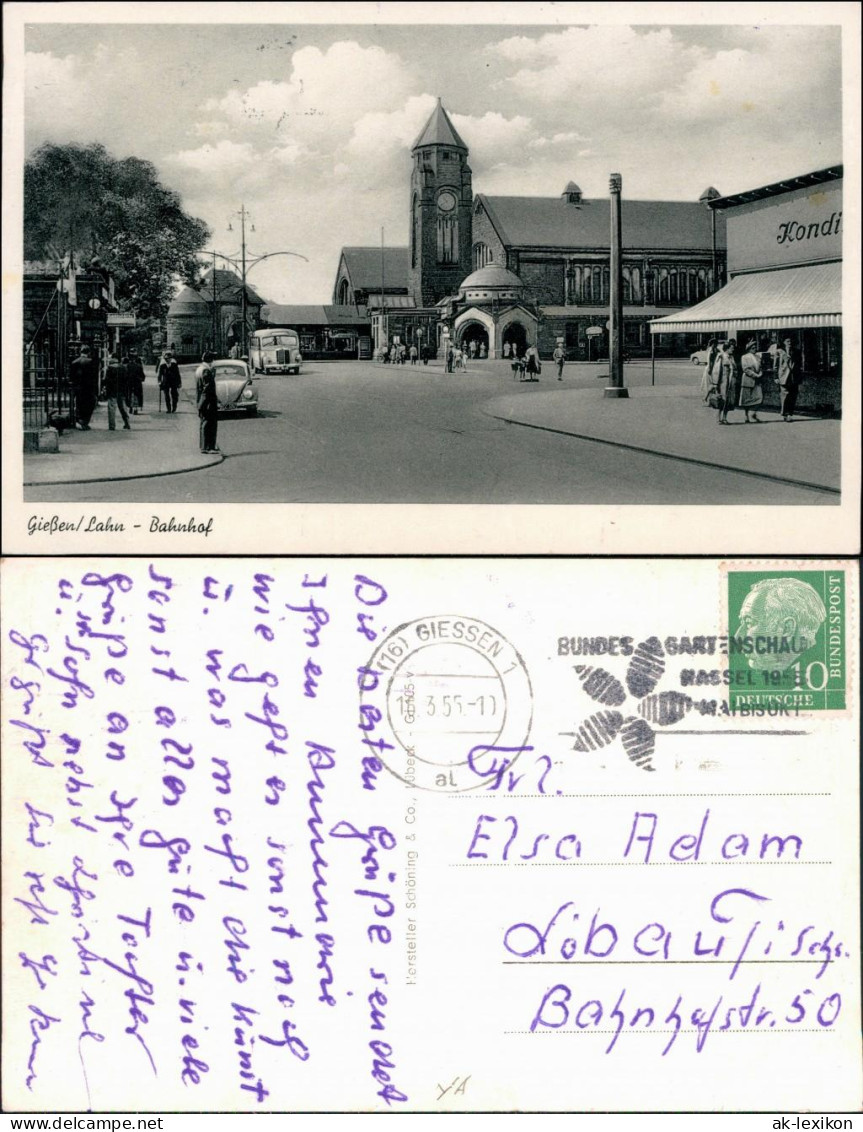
x=187, y=302
x=493, y=275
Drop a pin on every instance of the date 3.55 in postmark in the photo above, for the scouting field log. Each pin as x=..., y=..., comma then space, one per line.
x=787, y=642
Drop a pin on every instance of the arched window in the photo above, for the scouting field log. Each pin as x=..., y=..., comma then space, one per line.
x=447, y=239
x=635, y=284
x=575, y=295
x=482, y=255
x=447, y=226
x=344, y=293
x=606, y=284
x=415, y=229
x=597, y=284
x=662, y=286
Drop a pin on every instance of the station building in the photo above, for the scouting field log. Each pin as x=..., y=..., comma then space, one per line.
x=519, y=271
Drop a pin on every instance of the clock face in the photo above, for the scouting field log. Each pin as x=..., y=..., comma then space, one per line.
x=446, y=202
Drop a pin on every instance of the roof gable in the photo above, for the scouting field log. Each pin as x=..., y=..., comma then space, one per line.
x=363, y=266
x=552, y=222
x=229, y=287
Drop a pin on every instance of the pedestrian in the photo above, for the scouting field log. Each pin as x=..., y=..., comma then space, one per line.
x=426, y=350
x=559, y=356
x=472, y=348
x=750, y=382
x=170, y=381
x=208, y=403
x=533, y=365
x=413, y=353
x=234, y=351
x=709, y=379
x=136, y=382
x=506, y=347
x=83, y=377
x=728, y=389
x=128, y=389
x=787, y=369
x=519, y=365
x=483, y=350
x=450, y=358
x=116, y=381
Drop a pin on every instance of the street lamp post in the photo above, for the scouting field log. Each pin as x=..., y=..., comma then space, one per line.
x=245, y=262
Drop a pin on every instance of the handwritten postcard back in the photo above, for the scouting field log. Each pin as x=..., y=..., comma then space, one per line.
x=438, y=835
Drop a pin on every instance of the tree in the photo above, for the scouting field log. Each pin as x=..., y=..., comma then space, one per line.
x=80, y=198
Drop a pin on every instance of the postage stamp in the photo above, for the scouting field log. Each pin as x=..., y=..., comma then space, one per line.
x=786, y=639
x=457, y=698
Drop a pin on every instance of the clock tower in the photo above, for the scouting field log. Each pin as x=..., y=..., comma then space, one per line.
x=441, y=206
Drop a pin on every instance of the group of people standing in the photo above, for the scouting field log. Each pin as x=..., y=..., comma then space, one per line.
x=527, y=367
x=729, y=384
x=206, y=397
x=122, y=387
x=398, y=354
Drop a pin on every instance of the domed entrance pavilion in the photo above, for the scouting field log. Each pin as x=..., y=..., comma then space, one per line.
x=490, y=308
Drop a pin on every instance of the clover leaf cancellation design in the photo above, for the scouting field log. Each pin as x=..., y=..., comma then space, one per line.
x=636, y=731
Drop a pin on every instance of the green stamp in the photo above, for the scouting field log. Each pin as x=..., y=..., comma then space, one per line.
x=786, y=640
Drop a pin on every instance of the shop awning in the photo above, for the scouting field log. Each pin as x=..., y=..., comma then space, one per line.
x=788, y=298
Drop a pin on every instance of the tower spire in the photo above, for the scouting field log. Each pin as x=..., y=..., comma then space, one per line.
x=439, y=130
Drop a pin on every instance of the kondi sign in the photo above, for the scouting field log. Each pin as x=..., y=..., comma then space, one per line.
x=802, y=226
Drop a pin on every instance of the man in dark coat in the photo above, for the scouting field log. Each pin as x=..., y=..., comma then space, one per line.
x=208, y=404
x=83, y=375
x=170, y=381
x=136, y=383
x=116, y=380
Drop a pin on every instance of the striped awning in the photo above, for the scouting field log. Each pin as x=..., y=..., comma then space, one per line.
x=791, y=297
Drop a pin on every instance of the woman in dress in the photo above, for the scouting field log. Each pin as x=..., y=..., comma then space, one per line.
x=728, y=388
x=707, y=381
x=750, y=382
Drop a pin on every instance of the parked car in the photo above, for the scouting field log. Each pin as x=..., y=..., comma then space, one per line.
x=235, y=388
x=699, y=358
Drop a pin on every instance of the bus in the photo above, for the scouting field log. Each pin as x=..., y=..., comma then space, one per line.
x=275, y=351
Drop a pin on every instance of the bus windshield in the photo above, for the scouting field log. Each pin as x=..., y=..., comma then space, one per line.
x=283, y=339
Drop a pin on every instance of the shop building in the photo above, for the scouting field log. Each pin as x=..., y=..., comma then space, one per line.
x=785, y=281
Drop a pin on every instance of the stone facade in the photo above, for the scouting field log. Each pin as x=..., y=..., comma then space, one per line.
x=441, y=201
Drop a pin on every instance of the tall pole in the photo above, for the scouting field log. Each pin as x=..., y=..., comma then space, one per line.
x=616, y=388
x=216, y=349
x=713, y=244
x=384, y=334
x=243, y=350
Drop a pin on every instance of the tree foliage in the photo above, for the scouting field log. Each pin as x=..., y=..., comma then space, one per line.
x=81, y=198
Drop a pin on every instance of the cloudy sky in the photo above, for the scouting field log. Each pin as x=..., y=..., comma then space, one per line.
x=311, y=126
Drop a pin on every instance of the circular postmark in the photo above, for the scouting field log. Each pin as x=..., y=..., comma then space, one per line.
x=454, y=700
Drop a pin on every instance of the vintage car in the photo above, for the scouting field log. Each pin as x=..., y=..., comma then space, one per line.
x=275, y=351
x=235, y=388
x=699, y=357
